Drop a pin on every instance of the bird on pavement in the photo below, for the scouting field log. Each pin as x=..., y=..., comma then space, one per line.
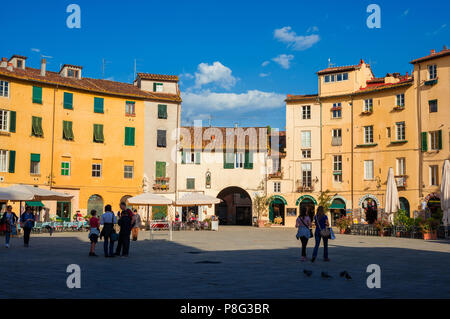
x=325, y=275
x=307, y=272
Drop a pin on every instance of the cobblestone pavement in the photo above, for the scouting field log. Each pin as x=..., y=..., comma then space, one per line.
x=235, y=262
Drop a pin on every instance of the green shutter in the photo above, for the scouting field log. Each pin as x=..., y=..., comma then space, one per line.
x=424, y=141
x=37, y=94
x=36, y=126
x=98, y=105
x=440, y=139
x=68, y=100
x=12, y=161
x=227, y=165
x=67, y=130
x=154, y=87
x=129, y=136
x=183, y=157
x=190, y=183
x=160, y=169
x=162, y=111
x=98, y=133
x=35, y=157
x=197, y=157
x=248, y=164
x=12, y=121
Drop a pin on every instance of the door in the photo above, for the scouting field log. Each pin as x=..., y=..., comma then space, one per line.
x=63, y=211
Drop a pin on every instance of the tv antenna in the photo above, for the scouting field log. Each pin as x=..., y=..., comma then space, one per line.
x=330, y=65
x=104, y=62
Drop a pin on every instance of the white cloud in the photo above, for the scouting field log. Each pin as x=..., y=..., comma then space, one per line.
x=248, y=101
x=442, y=27
x=312, y=29
x=284, y=60
x=265, y=63
x=263, y=75
x=405, y=13
x=186, y=75
x=215, y=73
x=296, y=42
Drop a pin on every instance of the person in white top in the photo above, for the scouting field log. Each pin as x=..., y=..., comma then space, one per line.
x=108, y=220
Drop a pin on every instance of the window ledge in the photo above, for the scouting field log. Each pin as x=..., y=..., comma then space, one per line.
x=367, y=145
x=366, y=112
x=398, y=108
x=399, y=142
x=4, y=133
x=431, y=82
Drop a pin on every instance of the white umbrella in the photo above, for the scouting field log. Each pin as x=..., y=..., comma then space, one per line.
x=392, y=202
x=445, y=195
x=149, y=199
x=194, y=199
x=38, y=194
x=6, y=193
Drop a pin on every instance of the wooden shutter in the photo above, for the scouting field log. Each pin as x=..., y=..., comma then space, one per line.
x=37, y=94
x=67, y=130
x=35, y=157
x=162, y=111
x=424, y=141
x=98, y=133
x=248, y=164
x=36, y=126
x=98, y=105
x=68, y=100
x=197, y=157
x=440, y=139
x=160, y=169
x=12, y=161
x=183, y=157
x=12, y=121
x=226, y=164
x=129, y=136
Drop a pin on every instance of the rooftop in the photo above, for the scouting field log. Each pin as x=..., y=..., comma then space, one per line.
x=158, y=77
x=432, y=55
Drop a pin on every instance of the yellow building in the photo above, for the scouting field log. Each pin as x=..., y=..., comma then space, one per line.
x=77, y=135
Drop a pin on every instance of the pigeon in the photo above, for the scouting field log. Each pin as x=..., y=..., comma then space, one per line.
x=345, y=274
x=325, y=275
x=307, y=272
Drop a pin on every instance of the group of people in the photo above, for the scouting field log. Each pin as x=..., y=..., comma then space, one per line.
x=322, y=232
x=8, y=224
x=129, y=223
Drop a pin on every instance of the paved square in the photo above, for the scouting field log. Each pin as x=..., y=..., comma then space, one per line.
x=236, y=262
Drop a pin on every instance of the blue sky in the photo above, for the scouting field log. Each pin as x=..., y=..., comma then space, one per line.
x=237, y=59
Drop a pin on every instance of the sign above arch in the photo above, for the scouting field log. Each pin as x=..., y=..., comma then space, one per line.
x=301, y=198
x=280, y=198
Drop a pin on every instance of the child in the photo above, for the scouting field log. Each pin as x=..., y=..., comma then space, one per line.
x=94, y=232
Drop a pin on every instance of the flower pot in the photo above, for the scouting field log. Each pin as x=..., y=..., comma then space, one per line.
x=261, y=223
x=342, y=231
x=398, y=234
x=430, y=236
x=381, y=233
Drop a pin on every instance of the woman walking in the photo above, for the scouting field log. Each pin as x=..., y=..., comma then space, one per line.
x=136, y=225
x=9, y=219
x=94, y=232
x=108, y=220
x=27, y=223
x=321, y=222
x=303, y=223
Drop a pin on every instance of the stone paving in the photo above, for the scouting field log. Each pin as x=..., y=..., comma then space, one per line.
x=235, y=262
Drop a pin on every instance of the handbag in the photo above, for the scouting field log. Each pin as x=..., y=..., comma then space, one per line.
x=325, y=233
x=332, y=236
x=310, y=230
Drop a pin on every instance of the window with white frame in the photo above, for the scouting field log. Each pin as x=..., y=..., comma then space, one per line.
x=336, y=135
x=336, y=77
x=306, y=153
x=158, y=87
x=434, y=171
x=368, y=134
x=96, y=170
x=4, y=120
x=190, y=157
x=400, y=100
x=368, y=170
x=368, y=105
x=306, y=138
x=400, y=131
x=239, y=160
x=4, y=88
x=277, y=187
x=401, y=166
x=337, y=168
x=3, y=161
x=306, y=175
x=337, y=110
x=432, y=72
x=434, y=140
x=306, y=112
x=128, y=171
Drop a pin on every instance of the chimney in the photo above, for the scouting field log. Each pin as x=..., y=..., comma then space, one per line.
x=4, y=63
x=10, y=66
x=433, y=51
x=43, y=65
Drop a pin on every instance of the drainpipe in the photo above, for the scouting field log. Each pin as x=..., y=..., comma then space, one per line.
x=321, y=152
x=53, y=136
x=419, y=127
x=351, y=158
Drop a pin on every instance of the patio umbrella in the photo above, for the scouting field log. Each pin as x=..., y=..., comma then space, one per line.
x=445, y=195
x=6, y=193
x=392, y=202
x=196, y=199
x=38, y=194
x=149, y=199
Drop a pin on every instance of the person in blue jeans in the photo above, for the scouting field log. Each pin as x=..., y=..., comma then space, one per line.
x=108, y=220
x=9, y=218
x=321, y=221
x=27, y=220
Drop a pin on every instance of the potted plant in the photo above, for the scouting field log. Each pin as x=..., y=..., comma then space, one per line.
x=261, y=206
x=429, y=228
x=380, y=225
x=278, y=220
x=344, y=224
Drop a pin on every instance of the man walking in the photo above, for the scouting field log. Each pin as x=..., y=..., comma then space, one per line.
x=125, y=223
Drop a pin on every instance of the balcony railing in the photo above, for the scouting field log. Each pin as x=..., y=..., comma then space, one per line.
x=161, y=184
x=276, y=175
x=400, y=180
x=336, y=141
x=305, y=188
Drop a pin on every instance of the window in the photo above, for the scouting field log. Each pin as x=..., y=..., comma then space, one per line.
x=345, y=76
x=368, y=105
x=228, y=160
x=157, y=87
x=98, y=133
x=339, y=77
x=434, y=171
x=368, y=134
x=306, y=153
x=327, y=78
x=401, y=166
x=4, y=88
x=129, y=136
x=336, y=139
x=436, y=140
x=130, y=108
x=161, y=138
x=98, y=105
x=65, y=168
x=368, y=170
x=35, y=164
x=190, y=183
x=72, y=73
x=306, y=175
x=128, y=171
x=37, y=95
x=160, y=169
x=306, y=112
x=400, y=100
x=68, y=101
x=388, y=132
x=4, y=120
x=36, y=126
x=337, y=110
x=162, y=111
x=337, y=168
x=306, y=138
x=277, y=187
x=336, y=77
x=3, y=161
x=188, y=157
x=239, y=160
x=433, y=106
x=432, y=72
x=400, y=131
x=67, y=131
x=96, y=170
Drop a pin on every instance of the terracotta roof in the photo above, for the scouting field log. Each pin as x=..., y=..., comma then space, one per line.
x=381, y=86
x=158, y=77
x=72, y=66
x=431, y=56
x=219, y=135
x=18, y=56
x=87, y=84
x=304, y=97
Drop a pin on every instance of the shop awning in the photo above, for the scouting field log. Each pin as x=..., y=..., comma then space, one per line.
x=34, y=204
x=337, y=206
